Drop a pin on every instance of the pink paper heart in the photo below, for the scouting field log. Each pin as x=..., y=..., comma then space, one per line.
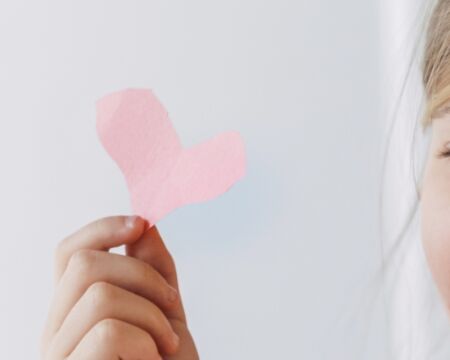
x=161, y=176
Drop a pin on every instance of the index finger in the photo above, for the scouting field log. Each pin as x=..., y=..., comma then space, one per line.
x=151, y=249
x=102, y=234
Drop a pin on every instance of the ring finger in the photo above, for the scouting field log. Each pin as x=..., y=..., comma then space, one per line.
x=87, y=267
x=105, y=301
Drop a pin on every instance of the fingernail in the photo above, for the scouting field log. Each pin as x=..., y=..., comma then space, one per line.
x=173, y=294
x=175, y=339
x=130, y=221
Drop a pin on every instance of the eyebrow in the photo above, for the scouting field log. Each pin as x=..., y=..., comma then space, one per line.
x=440, y=114
x=444, y=110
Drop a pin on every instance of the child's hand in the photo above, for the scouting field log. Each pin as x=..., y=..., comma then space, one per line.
x=110, y=306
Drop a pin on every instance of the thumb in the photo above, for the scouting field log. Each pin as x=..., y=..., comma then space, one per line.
x=151, y=249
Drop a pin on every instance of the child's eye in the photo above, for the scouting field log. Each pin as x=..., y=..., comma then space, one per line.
x=445, y=153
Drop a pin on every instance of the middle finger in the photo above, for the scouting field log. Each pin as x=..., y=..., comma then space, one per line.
x=87, y=267
x=105, y=301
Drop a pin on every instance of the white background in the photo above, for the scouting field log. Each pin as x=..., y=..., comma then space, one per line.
x=267, y=268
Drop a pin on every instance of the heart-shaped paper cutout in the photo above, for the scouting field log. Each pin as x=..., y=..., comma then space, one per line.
x=161, y=176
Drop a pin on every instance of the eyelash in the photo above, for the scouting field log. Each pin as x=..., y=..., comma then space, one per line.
x=445, y=154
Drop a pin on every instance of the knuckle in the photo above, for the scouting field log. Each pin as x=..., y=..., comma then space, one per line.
x=83, y=261
x=100, y=294
x=108, y=331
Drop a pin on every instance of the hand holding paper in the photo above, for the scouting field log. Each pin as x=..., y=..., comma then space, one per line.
x=161, y=176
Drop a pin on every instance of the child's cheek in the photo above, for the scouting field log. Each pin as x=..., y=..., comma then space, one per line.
x=435, y=228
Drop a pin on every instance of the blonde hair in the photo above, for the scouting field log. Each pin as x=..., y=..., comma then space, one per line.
x=436, y=63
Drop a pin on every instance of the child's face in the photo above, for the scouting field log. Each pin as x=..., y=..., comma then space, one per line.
x=435, y=206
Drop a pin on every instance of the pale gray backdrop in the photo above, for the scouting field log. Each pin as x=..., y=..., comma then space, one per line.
x=267, y=268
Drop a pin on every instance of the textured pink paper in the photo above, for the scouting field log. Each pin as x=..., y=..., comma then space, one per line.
x=135, y=130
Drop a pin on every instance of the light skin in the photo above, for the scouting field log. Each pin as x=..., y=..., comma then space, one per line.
x=435, y=206
x=110, y=306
